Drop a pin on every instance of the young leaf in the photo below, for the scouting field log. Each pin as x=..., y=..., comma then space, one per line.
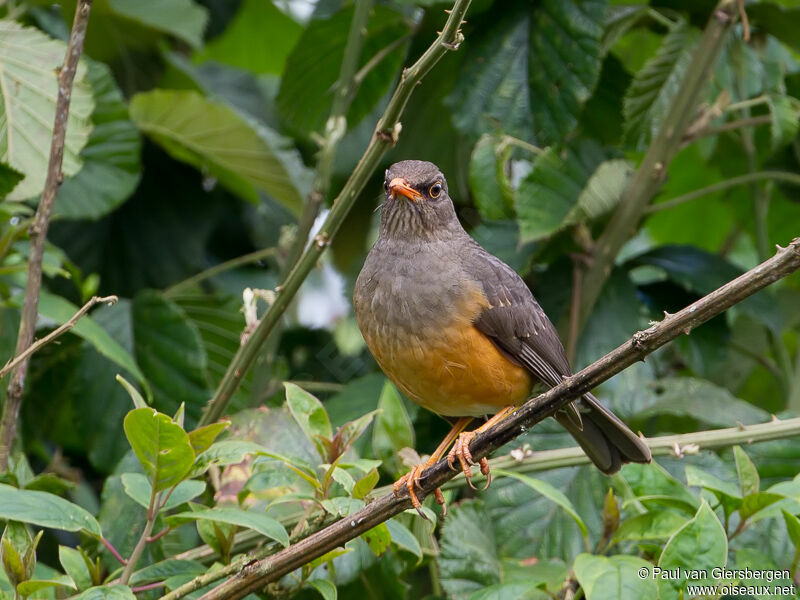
x=749, y=481
x=310, y=415
x=162, y=447
x=138, y=488
x=326, y=588
x=700, y=544
x=75, y=567
x=378, y=538
x=403, y=538
x=392, y=430
x=365, y=485
x=136, y=397
x=202, y=437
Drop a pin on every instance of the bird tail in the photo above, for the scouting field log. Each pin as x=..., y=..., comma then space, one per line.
x=605, y=439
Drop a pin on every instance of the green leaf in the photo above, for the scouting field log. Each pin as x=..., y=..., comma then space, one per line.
x=107, y=592
x=793, y=527
x=652, y=525
x=468, y=558
x=654, y=87
x=547, y=198
x=310, y=415
x=60, y=310
x=266, y=526
x=32, y=586
x=366, y=484
x=9, y=178
x=243, y=155
x=45, y=510
x=697, y=477
x=603, y=191
x=488, y=180
x=138, y=488
x=563, y=62
x=614, y=578
x=312, y=68
x=169, y=349
x=258, y=39
x=162, y=447
x=342, y=506
x=518, y=590
x=29, y=62
x=136, y=397
x=184, y=19
x=111, y=165
x=753, y=504
x=75, y=566
x=344, y=479
x=550, y=492
x=749, y=481
x=653, y=480
x=784, y=115
x=202, y=437
x=403, y=538
x=170, y=567
x=378, y=538
x=700, y=544
x=392, y=430
x=326, y=588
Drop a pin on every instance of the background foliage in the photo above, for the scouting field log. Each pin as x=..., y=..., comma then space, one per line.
x=193, y=134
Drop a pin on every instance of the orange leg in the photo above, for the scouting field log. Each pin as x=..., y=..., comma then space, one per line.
x=461, y=451
x=411, y=479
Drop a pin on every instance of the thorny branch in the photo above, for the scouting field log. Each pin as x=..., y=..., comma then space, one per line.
x=257, y=574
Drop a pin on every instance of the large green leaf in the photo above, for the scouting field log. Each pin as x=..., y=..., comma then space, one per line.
x=614, y=577
x=9, y=178
x=111, y=167
x=29, y=62
x=488, y=180
x=784, y=113
x=45, y=510
x=531, y=70
x=700, y=544
x=548, y=196
x=259, y=38
x=312, y=68
x=650, y=95
x=563, y=62
x=310, y=416
x=60, y=310
x=162, y=447
x=468, y=557
x=243, y=155
x=169, y=349
x=107, y=592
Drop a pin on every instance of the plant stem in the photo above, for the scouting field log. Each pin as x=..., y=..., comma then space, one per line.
x=55, y=333
x=749, y=103
x=785, y=176
x=256, y=575
x=729, y=126
x=228, y=265
x=38, y=230
x=152, y=513
x=335, y=128
x=651, y=172
x=384, y=137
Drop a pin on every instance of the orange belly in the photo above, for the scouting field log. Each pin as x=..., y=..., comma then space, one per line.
x=455, y=371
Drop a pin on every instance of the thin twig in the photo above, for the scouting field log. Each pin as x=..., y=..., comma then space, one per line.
x=784, y=176
x=255, y=576
x=651, y=172
x=12, y=363
x=729, y=126
x=38, y=230
x=385, y=136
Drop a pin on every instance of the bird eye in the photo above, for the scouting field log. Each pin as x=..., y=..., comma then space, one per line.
x=435, y=190
x=385, y=185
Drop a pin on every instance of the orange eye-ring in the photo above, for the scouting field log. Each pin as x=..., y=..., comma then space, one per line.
x=435, y=190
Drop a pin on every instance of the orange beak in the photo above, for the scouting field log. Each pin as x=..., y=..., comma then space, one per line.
x=398, y=185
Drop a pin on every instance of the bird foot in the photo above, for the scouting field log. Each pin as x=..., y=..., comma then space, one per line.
x=411, y=482
x=460, y=451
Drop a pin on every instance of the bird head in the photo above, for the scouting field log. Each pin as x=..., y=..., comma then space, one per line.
x=417, y=203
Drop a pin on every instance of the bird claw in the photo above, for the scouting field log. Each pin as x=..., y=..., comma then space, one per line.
x=410, y=481
x=461, y=452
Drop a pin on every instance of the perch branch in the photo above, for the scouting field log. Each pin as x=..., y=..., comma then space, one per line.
x=257, y=574
x=385, y=136
x=12, y=363
x=38, y=230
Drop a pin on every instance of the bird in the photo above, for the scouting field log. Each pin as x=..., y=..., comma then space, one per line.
x=460, y=333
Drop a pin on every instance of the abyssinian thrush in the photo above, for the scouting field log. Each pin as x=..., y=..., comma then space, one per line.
x=459, y=332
